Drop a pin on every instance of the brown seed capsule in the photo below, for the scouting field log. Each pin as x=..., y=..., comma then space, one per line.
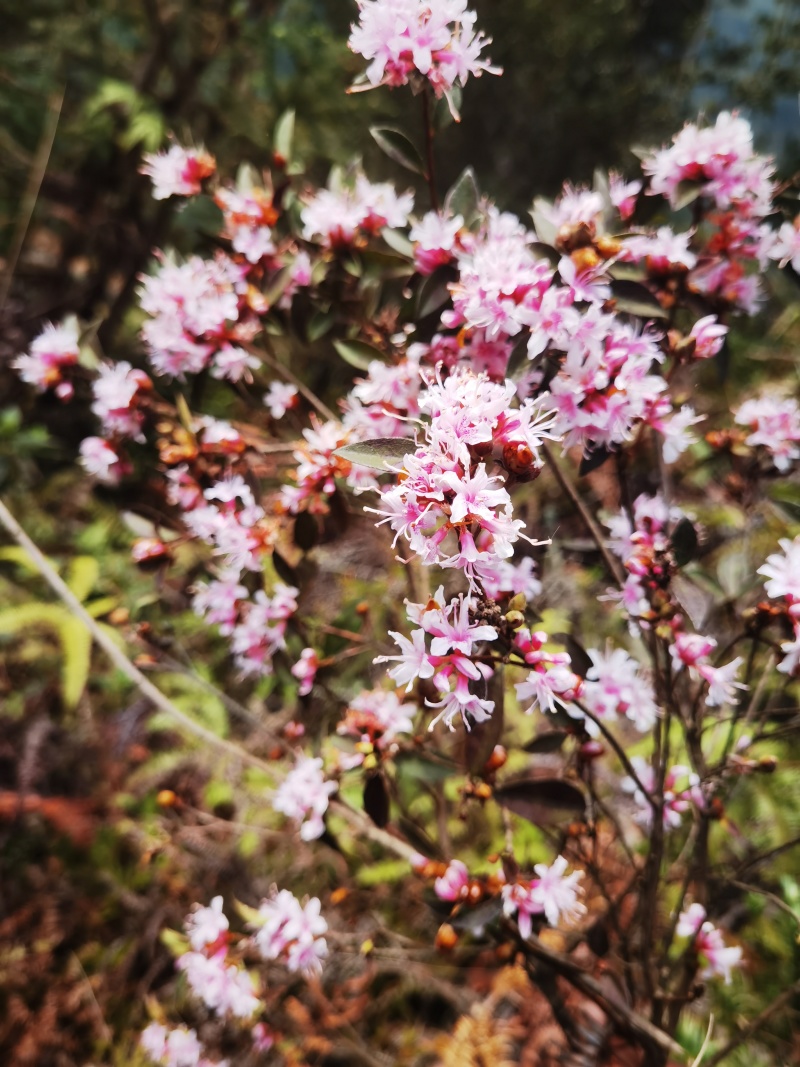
x=518, y=457
x=446, y=938
x=496, y=760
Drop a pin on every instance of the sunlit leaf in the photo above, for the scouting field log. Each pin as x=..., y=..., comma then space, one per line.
x=383, y=453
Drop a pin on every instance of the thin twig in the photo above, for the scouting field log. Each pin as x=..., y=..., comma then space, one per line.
x=756, y=1024
x=358, y=820
x=115, y=654
x=624, y=1018
x=699, y=1057
x=303, y=389
x=31, y=195
x=594, y=530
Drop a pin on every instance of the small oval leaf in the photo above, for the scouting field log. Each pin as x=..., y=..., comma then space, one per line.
x=394, y=143
x=358, y=354
x=635, y=299
x=542, y=801
x=384, y=453
x=376, y=799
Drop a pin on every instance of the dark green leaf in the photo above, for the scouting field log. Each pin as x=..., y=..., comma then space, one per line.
x=593, y=459
x=434, y=292
x=551, y=741
x=394, y=143
x=424, y=770
x=383, y=453
x=283, y=136
x=376, y=799
x=475, y=920
x=398, y=242
x=684, y=542
x=696, y=602
x=464, y=198
x=686, y=193
x=542, y=801
x=358, y=353
x=635, y=299
x=306, y=531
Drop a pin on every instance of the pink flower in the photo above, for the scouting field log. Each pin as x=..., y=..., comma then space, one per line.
x=717, y=959
x=552, y=894
x=279, y=398
x=172, y=1048
x=178, y=171
x=708, y=335
x=432, y=38
x=775, y=422
x=292, y=932
x=56, y=347
x=224, y=988
x=205, y=926
x=340, y=216
x=305, y=670
x=451, y=883
x=614, y=687
x=434, y=238
x=783, y=571
x=100, y=460
x=787, y=245
x=623, y=194
x=303, y=795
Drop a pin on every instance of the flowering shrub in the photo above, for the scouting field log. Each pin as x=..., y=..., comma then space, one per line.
x=508, y=379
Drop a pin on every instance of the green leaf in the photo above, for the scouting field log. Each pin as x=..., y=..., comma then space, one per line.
x=686, y=193
x=545, y=230
x=398, y=242
x=358, y=354
x=76, y=642
x=82, y=573
x=417, y=767
x=71, y=634
x=383, y=453
x=394, y=143
x=384, y=873
x=283, y=137
x=636, y=299
x=464, y=198
x=434, y=291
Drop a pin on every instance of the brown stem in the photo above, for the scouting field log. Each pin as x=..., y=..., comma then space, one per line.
x=594, y=530
x=430, y=168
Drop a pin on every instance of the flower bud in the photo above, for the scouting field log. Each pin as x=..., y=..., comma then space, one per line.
x=446, y=938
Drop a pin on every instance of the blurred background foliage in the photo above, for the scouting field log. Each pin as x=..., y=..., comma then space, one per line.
x=584, y=81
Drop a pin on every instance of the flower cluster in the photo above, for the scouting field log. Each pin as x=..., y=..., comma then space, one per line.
x=448, y=661
x=291, y=931
x=774, y=423
x=431, y=39
x=199, y=317
x=692, y=651
x=782, y=572
x=179, y=1047
x=348, y=214
x=178, y=171
x=446, y=497
x=681, y=791
x=55, y=349
x=303, y=795
x=717, y=958
x=553, y=894
x=375, y=717
x=223, y=986
x=718, y=164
